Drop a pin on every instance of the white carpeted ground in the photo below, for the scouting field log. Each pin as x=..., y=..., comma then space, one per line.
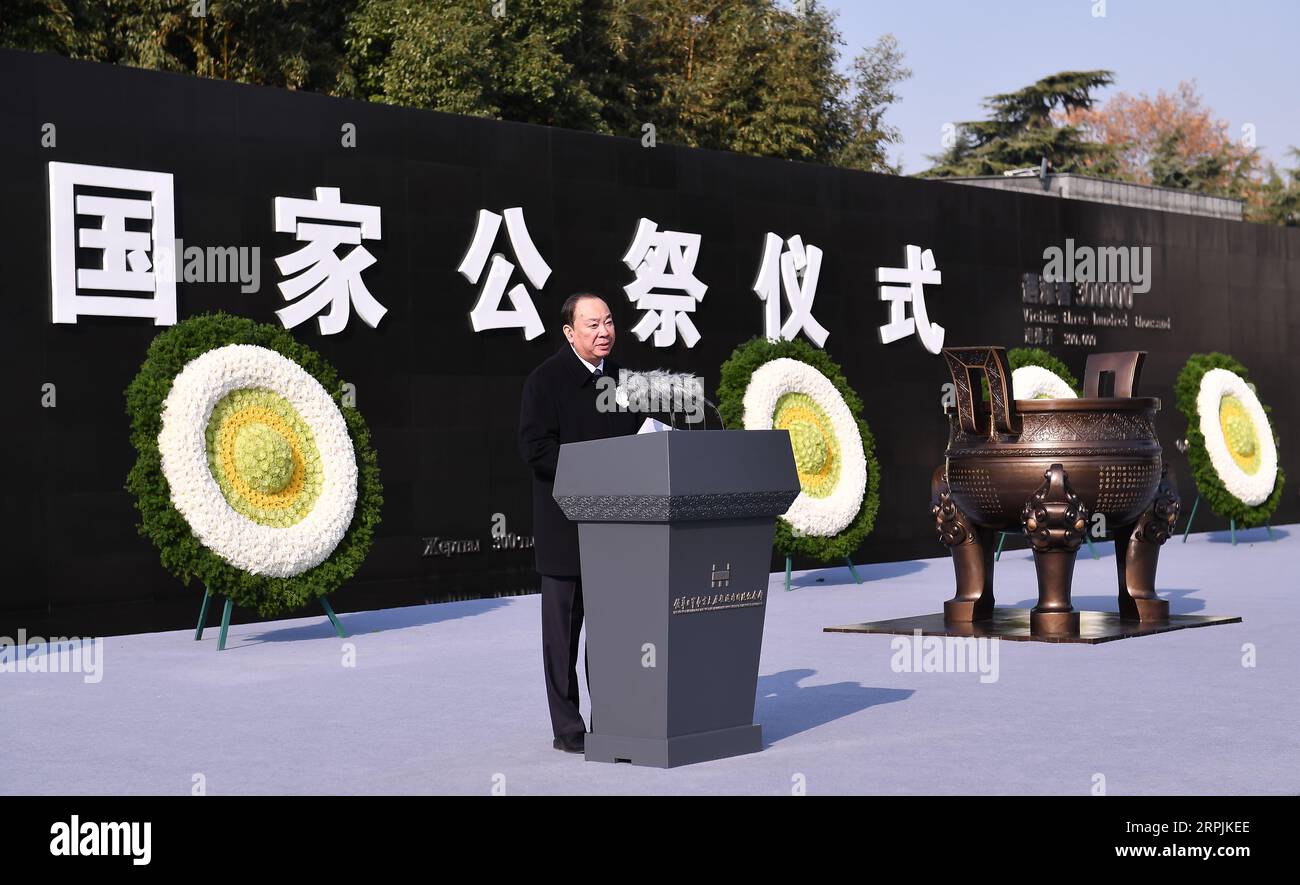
x=449, y=699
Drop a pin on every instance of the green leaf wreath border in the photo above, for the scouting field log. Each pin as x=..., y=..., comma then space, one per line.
x=735, y=375
x=1208, y=484
x=180, y=551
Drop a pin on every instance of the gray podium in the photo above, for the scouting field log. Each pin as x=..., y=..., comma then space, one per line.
x=675, y=530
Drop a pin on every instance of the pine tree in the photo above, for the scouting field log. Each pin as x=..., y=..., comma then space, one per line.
x=1021, y=130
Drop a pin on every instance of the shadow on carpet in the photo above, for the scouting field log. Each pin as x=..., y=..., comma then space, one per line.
x=784, y=708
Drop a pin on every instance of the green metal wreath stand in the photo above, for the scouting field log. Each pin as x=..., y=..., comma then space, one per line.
x=1232, y=523
x=847, y=562
x=225, y=619
x=1232, y=529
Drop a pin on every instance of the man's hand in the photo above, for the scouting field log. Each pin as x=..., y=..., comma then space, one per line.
x=539, y=431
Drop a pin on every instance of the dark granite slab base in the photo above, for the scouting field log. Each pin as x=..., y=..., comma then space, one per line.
x=1013, y=624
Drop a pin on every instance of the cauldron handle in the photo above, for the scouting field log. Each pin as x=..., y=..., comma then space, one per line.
x=1125, y=366
x=992, y=360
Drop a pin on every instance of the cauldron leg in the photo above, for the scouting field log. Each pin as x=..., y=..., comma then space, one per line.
x=1137, y=551
x=972, y=556
x=1054, y=520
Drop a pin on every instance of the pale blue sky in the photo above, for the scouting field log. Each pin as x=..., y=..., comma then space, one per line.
x=1243, y=55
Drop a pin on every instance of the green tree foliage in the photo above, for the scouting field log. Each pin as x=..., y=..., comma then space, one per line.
x=1218, y=172
x=1021, y=130
x=65, y=27
x=1279, y=195
x=877, y=72
x=743, y=75
x=754, y=76
x=294, y=44
x=528, y=64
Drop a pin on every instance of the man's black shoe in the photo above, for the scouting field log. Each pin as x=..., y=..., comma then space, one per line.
x=570, y=743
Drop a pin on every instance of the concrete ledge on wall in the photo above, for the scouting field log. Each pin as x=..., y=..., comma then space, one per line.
x=1070, y=186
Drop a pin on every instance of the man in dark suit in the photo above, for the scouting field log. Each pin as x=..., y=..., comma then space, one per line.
x=559, y=405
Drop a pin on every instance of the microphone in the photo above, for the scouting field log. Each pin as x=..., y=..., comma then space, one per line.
x=664, y=391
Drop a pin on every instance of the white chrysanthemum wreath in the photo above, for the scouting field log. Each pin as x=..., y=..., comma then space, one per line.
x=1036, y=382
x=792, y=395
x=258, y=460
x=1238, y=437
x=254, y=474
x=793, y=386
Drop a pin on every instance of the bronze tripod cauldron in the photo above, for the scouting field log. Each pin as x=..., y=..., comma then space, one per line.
x=1046, y=467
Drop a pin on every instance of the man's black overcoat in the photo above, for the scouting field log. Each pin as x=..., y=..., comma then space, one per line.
x=558, y=405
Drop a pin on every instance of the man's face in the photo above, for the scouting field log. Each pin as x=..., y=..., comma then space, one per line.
x=592, y=332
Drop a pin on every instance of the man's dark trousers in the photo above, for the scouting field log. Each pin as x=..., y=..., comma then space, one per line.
x=561, y=627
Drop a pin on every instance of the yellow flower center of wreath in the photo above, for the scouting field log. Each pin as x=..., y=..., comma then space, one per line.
x=263, y=457
x=812, y=436
x=1239, y=434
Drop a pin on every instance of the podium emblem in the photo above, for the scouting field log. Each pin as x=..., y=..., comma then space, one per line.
x=721, y=576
